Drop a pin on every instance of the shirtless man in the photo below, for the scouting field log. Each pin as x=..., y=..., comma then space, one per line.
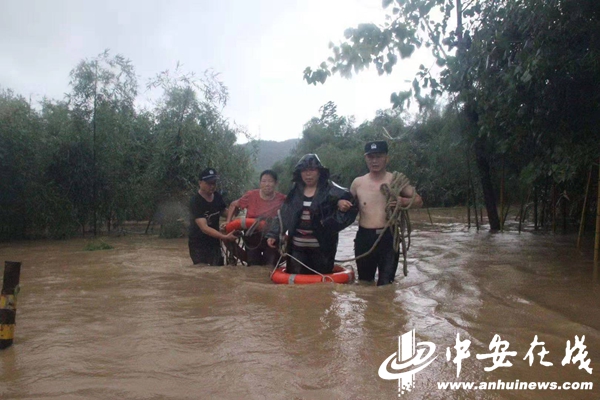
x=371, y=206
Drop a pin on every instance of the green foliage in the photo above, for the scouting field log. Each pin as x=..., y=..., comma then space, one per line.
x=523, y=74
x=430, y=151
x=94, y=160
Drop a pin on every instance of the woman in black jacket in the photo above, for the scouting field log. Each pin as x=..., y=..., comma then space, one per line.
x=315, y=211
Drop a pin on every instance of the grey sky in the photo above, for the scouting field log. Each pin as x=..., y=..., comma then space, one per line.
x=260, y=49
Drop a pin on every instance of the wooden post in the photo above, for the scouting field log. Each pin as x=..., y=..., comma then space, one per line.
x=469, y=192
x=481, y=215
x=522, y=211
x=582, y=223
x=553, y=209
x=468, y=208
x=429, y=213
x=502, y=199
x=8, y=302
x=564, y=211
x=597, y=241
x=535, y=208
x=473, y=193
x=544, y=212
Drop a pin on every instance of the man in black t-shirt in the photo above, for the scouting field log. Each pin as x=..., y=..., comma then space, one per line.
x=206, y=207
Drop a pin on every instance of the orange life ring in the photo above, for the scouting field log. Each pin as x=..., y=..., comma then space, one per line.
x=339, y=275
x=241, y=224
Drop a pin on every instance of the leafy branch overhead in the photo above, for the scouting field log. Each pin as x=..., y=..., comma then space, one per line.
x=524, y=73
x=410, y=25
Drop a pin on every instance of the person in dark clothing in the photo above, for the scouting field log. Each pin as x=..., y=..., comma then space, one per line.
x=314, y=212
x=205, y=208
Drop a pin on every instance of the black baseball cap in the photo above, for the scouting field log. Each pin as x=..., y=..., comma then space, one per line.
x=209, y=174
x=378, y=146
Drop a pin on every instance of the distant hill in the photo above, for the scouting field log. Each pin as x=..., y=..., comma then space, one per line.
x=269, y=152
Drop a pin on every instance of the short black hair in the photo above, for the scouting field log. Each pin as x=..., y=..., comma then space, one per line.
x=269, y=172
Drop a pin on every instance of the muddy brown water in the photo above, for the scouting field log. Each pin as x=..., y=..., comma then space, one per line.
x=140, y=322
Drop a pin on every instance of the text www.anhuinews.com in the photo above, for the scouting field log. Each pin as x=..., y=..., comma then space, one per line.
x=515, y=385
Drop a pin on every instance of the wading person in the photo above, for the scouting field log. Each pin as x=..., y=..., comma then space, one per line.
x=372, y=216
x=206, y=207
x=260, y=204
x=314, y=212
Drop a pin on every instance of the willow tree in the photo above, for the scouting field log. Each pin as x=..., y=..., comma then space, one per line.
x=191, y=134
x=104, y=89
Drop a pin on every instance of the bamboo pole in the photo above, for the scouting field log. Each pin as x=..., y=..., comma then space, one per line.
x=597, y=241
x=582, y=222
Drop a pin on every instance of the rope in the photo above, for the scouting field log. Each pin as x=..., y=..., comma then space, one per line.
x=242, y=239
x=279, y=263
x=281, y=244
x=283, y=253
x=397, y=219
x=250, y=231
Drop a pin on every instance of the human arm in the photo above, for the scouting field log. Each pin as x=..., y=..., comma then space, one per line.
x=203, y=225
x=345, y=204
x=232, y=210
x=334, y=217
x=353, y=187
x=273, y=233
x=275, y=225
x=406, y=197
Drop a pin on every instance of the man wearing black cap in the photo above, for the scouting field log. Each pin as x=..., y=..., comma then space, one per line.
x=205, y=208
x=372, y=216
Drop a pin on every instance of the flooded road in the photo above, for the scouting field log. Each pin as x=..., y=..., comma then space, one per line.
x=140, y=322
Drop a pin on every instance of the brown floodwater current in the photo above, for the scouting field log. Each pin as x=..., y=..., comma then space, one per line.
x=140, y=322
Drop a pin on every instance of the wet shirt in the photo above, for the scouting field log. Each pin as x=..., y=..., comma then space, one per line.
x=200, y=208
x=258, y=207
x=304, y=237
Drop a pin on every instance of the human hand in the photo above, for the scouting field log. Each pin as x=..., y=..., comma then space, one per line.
x=271, y=243
x=223, y=225
x=231, y=236
x=344, y=205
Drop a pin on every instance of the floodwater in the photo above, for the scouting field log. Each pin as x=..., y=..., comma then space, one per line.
x=140, y=322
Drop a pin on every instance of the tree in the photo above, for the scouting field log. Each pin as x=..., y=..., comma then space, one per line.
x=19, y=162
x=501, y=65
x=191, y=134
x=102, y=99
